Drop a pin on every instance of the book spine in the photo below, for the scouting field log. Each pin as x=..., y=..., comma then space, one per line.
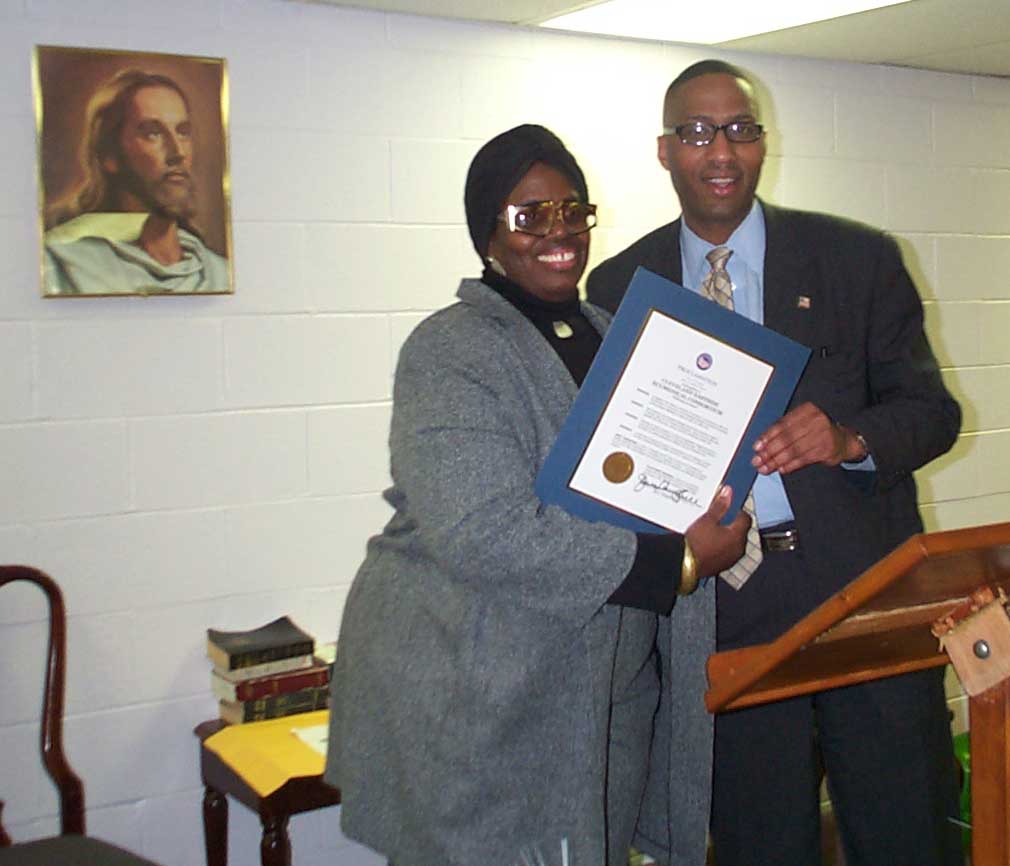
x=276, y=706
x=264, y=687
x=269, y=654
x=266, y=669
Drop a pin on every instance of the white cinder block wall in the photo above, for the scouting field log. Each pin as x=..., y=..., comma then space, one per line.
x=179, y=463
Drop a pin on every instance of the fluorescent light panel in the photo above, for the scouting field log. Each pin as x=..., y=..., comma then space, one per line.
x=702, y=23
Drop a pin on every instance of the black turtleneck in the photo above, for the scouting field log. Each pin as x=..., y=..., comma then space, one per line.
x=651, y=583
x=578, y=349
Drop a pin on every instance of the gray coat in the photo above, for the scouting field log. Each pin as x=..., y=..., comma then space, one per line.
x=485, y=698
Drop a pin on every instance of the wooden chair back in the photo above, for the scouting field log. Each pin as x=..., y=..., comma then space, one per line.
x=67, y=782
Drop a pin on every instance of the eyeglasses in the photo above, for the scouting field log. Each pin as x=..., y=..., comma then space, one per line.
x=538, y=217
x=700, y=132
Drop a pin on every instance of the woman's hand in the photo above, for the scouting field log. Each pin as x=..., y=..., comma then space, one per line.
x=717, y=547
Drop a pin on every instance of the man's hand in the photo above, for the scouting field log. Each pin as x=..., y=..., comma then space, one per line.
x=803, y=437
x=717, y=547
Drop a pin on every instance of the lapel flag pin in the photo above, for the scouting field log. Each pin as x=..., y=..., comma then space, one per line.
x=803, y=302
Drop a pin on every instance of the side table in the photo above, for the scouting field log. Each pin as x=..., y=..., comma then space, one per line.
x=297, y=794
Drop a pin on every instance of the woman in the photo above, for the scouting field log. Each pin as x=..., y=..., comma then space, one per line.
x=488, y=701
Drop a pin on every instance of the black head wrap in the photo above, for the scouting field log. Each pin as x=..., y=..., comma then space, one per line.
x=500, y=164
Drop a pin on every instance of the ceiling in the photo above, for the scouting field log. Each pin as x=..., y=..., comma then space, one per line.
x=969, y=36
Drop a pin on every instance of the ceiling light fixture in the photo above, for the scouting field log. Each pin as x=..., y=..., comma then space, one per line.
x=699, y=23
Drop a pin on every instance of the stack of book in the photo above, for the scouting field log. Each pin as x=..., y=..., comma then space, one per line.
x=267, y=672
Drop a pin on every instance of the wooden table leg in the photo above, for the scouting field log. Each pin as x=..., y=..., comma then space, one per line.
x=989, y=715
x=215, y=826
x=275, y=847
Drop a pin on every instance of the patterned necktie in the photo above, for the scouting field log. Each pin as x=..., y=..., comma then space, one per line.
x=718, y=287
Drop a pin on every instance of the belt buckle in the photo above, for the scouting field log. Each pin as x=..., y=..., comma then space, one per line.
x=781, y=541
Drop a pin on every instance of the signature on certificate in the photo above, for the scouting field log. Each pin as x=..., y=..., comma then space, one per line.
x=664, y=488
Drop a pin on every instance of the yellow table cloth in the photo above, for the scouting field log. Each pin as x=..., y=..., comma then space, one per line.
x=267, y=754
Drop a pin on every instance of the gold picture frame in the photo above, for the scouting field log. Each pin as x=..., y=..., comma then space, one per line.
x=134, y=185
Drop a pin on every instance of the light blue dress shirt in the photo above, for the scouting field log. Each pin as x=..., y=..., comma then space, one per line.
x=746, y=270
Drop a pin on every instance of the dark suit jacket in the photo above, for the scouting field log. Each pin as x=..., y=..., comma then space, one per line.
x=871, y=369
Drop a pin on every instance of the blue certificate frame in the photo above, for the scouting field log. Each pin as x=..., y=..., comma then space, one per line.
x=649, y=293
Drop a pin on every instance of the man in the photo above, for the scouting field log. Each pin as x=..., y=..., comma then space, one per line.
x=834, y=492
x=128, y=228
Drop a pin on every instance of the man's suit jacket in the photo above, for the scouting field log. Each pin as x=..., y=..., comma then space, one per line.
x=841, y=289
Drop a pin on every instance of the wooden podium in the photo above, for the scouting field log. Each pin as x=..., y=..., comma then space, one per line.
x=887, y=622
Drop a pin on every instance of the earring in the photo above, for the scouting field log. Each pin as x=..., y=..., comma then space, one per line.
x=496, y=266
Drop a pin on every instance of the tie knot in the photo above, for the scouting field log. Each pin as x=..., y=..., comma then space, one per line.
x=718, y=257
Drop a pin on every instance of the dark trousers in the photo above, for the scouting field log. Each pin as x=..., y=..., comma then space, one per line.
x=885, y=746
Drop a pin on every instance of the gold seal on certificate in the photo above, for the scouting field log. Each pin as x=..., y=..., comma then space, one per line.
x=618, y=467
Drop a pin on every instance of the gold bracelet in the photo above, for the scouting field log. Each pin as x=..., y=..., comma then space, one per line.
x=688, y=571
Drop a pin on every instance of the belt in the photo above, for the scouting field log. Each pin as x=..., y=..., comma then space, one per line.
x=778, y=540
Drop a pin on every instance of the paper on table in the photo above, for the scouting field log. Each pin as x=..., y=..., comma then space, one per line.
x=316, y=737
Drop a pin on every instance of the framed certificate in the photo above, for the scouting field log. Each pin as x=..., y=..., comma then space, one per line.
x=669, y=411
